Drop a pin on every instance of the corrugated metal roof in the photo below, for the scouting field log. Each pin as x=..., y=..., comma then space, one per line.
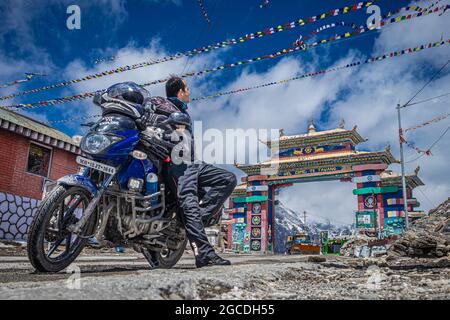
x=34, y=125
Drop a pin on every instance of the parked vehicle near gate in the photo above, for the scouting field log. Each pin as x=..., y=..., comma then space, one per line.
x=301, y=243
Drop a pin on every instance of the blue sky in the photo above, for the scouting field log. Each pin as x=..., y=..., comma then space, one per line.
x=34, y=38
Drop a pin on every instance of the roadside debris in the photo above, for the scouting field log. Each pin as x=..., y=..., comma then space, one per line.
x=365, y=247
x=428, y=237
x=12, y=248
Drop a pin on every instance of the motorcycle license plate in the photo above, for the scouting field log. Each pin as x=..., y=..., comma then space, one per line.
x=96, y=165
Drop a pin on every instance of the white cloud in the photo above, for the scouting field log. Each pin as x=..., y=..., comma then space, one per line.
x=335, y=202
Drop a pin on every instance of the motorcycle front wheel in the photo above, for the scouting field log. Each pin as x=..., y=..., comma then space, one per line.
x=51, y=247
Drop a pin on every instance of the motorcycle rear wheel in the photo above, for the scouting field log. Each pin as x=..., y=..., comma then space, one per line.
x=48, y=231
x=165, y=259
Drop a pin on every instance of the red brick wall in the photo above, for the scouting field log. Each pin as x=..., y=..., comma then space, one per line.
x=63, y=163
x=14, y=177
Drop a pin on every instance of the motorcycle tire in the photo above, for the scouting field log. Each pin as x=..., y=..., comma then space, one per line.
x=39, y=236
x=165, y=259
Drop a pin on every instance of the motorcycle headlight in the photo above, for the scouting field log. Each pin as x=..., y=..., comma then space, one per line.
x=96, y=143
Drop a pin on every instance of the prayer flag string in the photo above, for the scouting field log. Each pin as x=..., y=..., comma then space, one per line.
x=28, y=77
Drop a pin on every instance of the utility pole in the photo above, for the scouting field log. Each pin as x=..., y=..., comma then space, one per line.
x=402, y=140
x=402, y=159
x=377, y=219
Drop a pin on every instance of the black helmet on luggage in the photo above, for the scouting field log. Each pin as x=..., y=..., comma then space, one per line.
x=128, y=91
x=126, y=98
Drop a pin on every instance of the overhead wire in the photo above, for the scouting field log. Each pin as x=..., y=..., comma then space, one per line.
x=426, y=197
x=432, y=146
x=426, y=84
x=429, y=99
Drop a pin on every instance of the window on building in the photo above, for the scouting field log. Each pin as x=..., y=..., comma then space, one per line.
x=39, y=160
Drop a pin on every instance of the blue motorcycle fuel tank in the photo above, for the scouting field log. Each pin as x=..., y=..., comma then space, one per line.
x=122, y=129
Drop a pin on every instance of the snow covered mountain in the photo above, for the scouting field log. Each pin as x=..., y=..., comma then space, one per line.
x=289, y=222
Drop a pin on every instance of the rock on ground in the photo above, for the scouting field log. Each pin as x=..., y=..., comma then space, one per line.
x=427, y=237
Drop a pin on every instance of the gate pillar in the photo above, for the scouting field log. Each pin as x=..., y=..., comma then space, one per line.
x=369, y=190
x=256, y=212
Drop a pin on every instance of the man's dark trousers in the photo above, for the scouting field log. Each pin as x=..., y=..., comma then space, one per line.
x=194, y=183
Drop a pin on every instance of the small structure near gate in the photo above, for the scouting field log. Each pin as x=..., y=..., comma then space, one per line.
x=320, y=156
x=31, y=155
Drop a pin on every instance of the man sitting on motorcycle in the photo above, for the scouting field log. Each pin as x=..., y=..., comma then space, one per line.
x=201, y=188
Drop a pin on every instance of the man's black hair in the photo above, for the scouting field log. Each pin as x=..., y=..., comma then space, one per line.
x=173, y=86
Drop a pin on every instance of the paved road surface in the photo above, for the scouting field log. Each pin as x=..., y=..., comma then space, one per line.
x=250, y=277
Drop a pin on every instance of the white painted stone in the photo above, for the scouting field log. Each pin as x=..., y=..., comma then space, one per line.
x=18, y=200
x=22, y=220
x=26, y=205
x=10, y=197
x=6, y=216
x=29, y=220
x=4, y=207
x=2, y=196
x=12, y=207
x=4, y=226
x=12, y=229
x=28, y=213
x=33, y=203
x=20, y=212
x=23, y=229
x=9, y=236
x=2, y=234
x=14, y=218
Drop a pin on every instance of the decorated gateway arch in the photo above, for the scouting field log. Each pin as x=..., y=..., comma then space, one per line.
x=319, y=156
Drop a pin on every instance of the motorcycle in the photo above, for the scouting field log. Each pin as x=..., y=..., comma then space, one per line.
x=117, y=196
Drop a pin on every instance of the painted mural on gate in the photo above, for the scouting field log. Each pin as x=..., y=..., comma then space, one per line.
x=16, y=215
x=343, y=169
x=304, y=151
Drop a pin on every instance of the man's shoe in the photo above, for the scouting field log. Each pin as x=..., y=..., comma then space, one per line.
x=214, y=261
